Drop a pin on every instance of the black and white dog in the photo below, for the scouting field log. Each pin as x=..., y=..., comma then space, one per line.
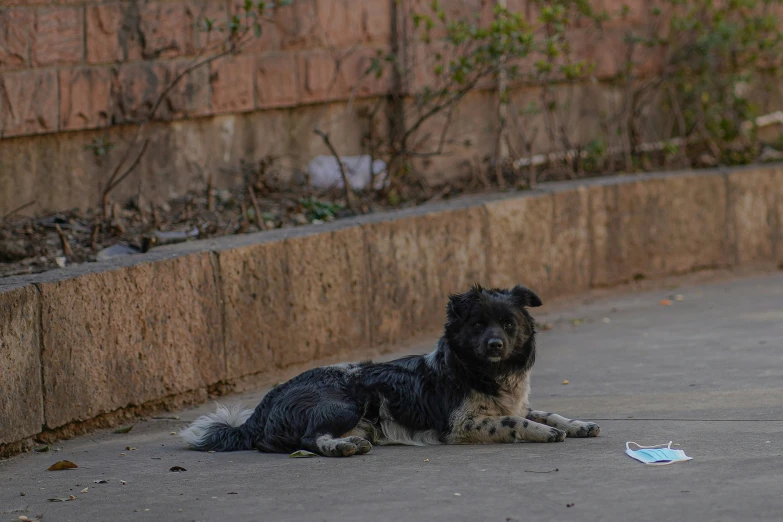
x=473, y=388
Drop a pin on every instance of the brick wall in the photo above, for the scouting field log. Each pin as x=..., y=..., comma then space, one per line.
x=74, y=70
x=69, y=65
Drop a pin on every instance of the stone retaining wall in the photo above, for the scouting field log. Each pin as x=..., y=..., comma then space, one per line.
x=88, y=340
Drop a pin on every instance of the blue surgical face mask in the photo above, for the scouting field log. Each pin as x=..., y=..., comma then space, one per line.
x=659, y=455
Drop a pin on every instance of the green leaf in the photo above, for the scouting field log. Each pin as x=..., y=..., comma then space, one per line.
x=41, y=449
x=257, y=30
x=302, y=454
x=126, y=429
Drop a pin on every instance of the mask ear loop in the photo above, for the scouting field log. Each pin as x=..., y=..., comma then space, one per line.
x=639, y=446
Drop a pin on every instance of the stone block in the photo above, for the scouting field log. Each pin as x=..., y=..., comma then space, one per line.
x=658, y=226
x=167, y=28
x=15, y=33
x=232, y=82
x=339, y=23
x=376, y=21
x=126, y=336
x=21, y=395
x=755, y=202
x=28, y=102
x=298, y=25
x=256, y=305
x=520, y=237
x=569, y=259
x=415, y=263
x=327, y=281
x=85, y=97
x=276, y=81
x=112, y=32
x=59, y=36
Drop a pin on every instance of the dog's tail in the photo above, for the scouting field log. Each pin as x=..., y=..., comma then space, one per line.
x=224, y=430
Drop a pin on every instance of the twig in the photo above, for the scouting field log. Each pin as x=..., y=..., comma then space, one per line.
x=67, y=252
x=94, y=234
x=256, y=208
x=210, y=195
x=349, y=195
x=17, y=210
x=116, y=181
x=534, y=471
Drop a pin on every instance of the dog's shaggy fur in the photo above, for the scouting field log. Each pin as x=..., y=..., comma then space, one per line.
x=473, y=388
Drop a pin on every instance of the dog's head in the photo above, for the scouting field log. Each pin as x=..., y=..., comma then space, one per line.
x=488, y=326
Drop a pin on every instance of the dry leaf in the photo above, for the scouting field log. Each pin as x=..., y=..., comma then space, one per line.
x=126, y=429
x=129, y=448
x=63, y=464
x=102, y=481
x=665, y=302
x=42, y=449
x=85, y=490
x=426, y=460
x=123, y=482
x=679, y=297
x=177, y=469
x=301, y=454
x=566, y=381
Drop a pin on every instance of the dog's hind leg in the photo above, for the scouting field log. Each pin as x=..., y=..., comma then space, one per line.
x=329, y=431
x=572, y=427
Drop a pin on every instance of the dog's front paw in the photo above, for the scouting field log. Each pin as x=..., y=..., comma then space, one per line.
x=556, y=435
x=579, y=429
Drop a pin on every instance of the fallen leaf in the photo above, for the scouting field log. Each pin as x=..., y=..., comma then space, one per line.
x=126, y=429
x=607, y=320
x=566, y=381
x=665, y=302
x=102, y=481
x=301, y=454
x=173, y=433
x=570, y=505
x=577, y=322
x=85, y=490
x=129, y=448
x=457, y=495
x=679, y=297
x=24, y=518
x=61, y=499
x=122, y=454
x=42, y=449
x=232, y=493
x=177, y=469
x=426, y=460
x=123, y=482
x=63, y=464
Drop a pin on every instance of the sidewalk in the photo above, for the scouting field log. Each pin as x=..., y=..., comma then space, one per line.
x=705, y=372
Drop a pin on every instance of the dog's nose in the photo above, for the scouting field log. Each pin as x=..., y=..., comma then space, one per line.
x=495, y=344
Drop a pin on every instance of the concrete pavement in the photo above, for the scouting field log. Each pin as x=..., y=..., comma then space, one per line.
x=705, y=372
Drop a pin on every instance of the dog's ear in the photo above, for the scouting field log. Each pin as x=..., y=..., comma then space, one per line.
x=459, y=305
x=525, y=297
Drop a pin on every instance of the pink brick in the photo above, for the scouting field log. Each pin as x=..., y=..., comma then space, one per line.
x=191, y=95
x=111, y=33
x=15, y=28
x=340, y=23
x=271, y=38
x=231, y=79
x=28, y=102
x=58, y=36
x=85, y=97
x=376, y=20
x=298, y=25
x=319, y=79
x=167, y=28
x=199, y=10
x=276, y=81
x=139, y=85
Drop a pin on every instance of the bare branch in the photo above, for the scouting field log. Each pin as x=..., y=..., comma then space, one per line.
x=349, y=195
x=17, y=210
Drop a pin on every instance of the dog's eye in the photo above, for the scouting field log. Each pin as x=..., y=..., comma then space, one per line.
x=508, y=326
x=479, y=325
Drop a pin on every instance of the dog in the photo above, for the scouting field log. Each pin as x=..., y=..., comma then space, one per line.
x=472, y=389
